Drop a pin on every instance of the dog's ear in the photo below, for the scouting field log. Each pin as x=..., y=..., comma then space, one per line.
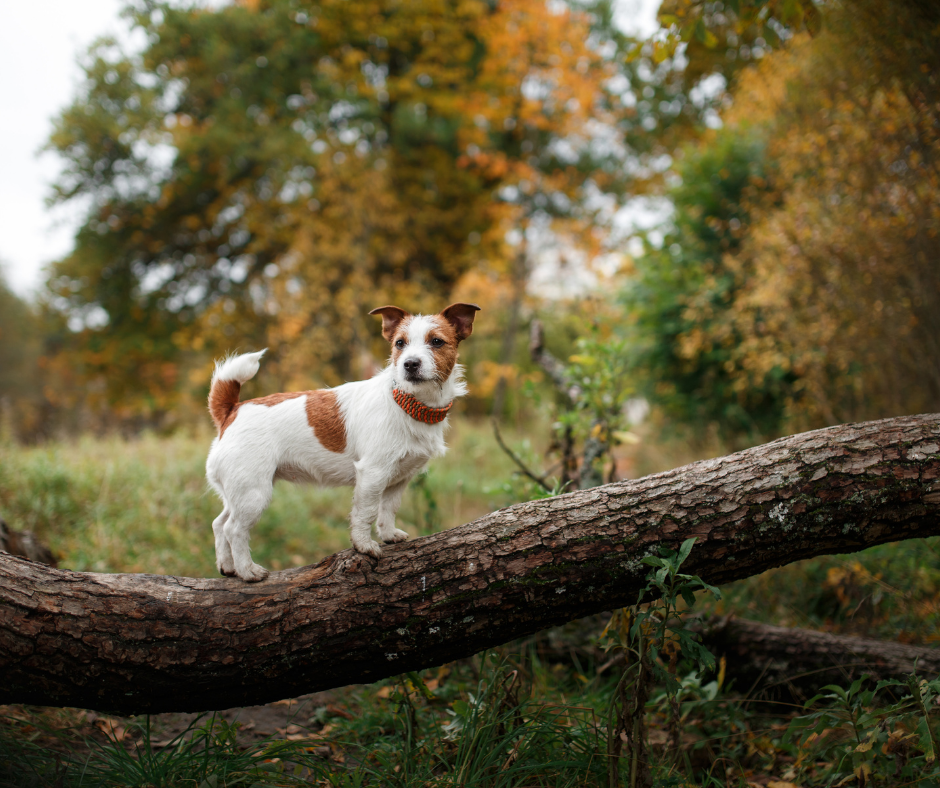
x=460, y=316
x=391, y=318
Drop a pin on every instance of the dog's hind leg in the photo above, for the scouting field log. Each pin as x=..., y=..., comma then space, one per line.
x=223, y=550
x=245, y=510
x=388, y=508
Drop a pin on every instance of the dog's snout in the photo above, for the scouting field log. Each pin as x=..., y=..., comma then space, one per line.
x=412, y=364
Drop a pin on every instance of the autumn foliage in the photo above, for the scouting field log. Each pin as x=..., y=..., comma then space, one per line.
x=798, y=284
x=261, y=174
x=265, y=173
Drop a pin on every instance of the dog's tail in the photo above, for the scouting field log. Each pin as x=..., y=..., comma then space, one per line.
x=227, y=381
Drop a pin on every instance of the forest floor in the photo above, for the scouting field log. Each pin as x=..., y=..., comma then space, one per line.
x=129, y=506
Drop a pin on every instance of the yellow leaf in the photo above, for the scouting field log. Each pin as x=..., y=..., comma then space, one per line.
x=863, y=771
x=626, y=437
x=584, y=361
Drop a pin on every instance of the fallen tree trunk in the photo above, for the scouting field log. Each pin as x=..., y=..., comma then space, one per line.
x=790, y=664
x=146, y=643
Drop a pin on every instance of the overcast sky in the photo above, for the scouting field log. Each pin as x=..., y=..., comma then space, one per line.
x=40, y=45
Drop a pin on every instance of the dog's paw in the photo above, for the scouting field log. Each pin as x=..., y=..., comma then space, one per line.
x=369, y=547
x=397, y=535
x=253, y=573
x=226, y=568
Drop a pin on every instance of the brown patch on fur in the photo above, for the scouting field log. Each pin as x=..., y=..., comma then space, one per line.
x=223, y=402
x=401, y=332
x=445, y=356
x=268, y=401
x=275, y=399
x=392, y=317
x=460, y=316
x=323, y=414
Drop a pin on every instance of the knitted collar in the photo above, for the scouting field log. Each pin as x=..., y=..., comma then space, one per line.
x=418, y=410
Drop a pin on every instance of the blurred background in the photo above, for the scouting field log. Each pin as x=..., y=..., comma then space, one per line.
x=692, y=227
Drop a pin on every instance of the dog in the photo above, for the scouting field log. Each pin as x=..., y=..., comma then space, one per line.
x=375, y=434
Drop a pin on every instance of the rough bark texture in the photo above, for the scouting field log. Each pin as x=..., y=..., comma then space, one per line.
x=145, y=643
x=793, y=664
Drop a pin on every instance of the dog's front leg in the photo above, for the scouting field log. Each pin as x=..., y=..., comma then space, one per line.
x=370, y=484
x=388, y=508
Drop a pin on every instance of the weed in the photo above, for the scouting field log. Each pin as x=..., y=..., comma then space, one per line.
x=858, y=736
x=651, y=639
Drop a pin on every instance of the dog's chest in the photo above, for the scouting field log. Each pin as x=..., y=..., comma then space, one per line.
x=409, y=465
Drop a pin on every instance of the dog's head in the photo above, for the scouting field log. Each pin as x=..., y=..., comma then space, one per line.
x=424, y=347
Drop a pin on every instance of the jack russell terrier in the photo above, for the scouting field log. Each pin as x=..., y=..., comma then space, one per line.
x=375, y=434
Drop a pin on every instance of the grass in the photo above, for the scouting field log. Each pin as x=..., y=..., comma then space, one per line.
x=208, y=754
x=502, y=719
x=113, y=505
x=525, y=715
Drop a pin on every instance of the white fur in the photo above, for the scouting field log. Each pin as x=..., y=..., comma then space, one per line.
x=240, y=368
x=384, y=449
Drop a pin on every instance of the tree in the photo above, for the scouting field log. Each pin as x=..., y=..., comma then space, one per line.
x=843, y=290
x=821, y=305
x=22, y=404
x=137, y=643
x=264, y=171
x=679, y=299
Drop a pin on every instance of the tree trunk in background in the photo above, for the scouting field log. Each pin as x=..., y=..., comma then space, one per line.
x=146, y=643
x=520, y=276
x=788, y=664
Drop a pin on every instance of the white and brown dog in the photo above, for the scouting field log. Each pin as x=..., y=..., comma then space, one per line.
x=375, y=434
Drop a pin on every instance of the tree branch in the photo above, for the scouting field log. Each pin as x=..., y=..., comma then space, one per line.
x=793, y=664
x=146, y=643
x=540, y=481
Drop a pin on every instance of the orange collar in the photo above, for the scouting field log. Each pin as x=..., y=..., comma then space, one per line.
x=418, y=410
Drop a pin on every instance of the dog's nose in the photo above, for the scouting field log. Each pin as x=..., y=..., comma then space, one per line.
x=412, y=364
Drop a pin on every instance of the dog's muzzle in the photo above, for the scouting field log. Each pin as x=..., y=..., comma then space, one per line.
x=413, y=370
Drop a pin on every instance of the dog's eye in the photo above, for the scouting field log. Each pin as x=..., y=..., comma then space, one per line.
x=399, y=343
x=437, y=342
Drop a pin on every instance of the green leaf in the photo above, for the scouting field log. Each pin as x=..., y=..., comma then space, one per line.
x=685, y=550
x=791, y=13
x=703, y=34
x=856, y=685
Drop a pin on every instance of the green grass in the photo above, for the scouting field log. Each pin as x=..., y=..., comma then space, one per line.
x=503, y=719
x=508, y=719
x=206, y=755
x=115, y=505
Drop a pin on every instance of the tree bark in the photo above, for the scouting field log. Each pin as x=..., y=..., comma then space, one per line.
x=790, y=664
x=147, y=643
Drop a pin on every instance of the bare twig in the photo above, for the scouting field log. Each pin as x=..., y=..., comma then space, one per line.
x=551, y=365
x=519, y=463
